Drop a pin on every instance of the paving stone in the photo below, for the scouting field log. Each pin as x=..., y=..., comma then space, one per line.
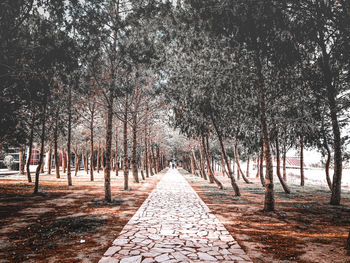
x=111, y=251
x=174, y=225
x=162, y=258
x=162, y=250
x=108, y=260
x=207, y=257
x=135, y=259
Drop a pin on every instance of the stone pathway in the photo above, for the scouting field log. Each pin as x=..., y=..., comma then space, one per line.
x=174, y=225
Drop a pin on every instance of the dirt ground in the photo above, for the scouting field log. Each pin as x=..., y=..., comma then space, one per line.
x=65, y=224
x=304, y=228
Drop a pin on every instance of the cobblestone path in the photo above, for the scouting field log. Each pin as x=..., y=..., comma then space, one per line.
x=174, y=225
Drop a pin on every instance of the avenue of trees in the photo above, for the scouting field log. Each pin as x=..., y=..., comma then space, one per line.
x=244, y=79
x=77, y=79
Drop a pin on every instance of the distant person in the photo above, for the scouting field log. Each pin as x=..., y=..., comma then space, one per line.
x=173, y=165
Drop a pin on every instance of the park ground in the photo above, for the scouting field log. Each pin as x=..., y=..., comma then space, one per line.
x=65, y=224
x=304, y=228
x=74, y=224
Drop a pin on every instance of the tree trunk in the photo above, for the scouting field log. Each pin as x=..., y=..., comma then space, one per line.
x=55, y=147
x=154, y=164
x=102, y=156
x=21, y=160
x=143, y=175
x=49, y=160
x=43, y=164
x=328, y=161
x=77, y=162
x=196, y=166
x=302, y=178
x=150, y=162
x=92, y=122
x=224, y=156
x=278, y=168
x=193, y=165
x=223, y=169
x=248, y=167
x=125, y=144
x=203, y=172
x=269, y=203
x=133, y=147
x=158, y=159
x=98, y=158
x=85, y=158
x=42, y=147
x=63, y=161
x=116, y=157
x=29, y=157
x=239, y=170
x=337, y=144
x=262, y=178
x=69, y=172
x=108, y=148
x=284, y=162
x=257, y=167
x=146, y=152
x=210, y=171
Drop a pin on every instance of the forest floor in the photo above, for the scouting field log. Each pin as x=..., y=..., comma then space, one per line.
x=65, y=224
x=304, y=228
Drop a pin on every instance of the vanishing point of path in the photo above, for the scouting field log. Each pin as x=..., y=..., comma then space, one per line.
x=174, y=225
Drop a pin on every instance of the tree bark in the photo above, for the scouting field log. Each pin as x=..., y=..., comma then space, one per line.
x=108, y=148
x=150, y=162
x=146, y=151
x=239, y=170
x=210, y=171
x=284, y=162
x=29, y=157
x=21, y=160
x=77, y=161
x=257, y=167
x=125, y=144
x=98, y=158
x=248, y=167
x=193, y=165
x=154, y=164
x=269, y=202
x=262, y=178
x=302, y=178
x=331, y=98
x=278, y=168
x=63, y=161
x=69, y=172
x=224, y=157
x=328, y=161
x=42, y=147
x=223, y=169
x=116, y=157
x=49, y=159
x=133, y=148
x=92, y=122
x=55, y=147
x=157, y=159
x=203, y=172
x=85, y=160
x=43, y=164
